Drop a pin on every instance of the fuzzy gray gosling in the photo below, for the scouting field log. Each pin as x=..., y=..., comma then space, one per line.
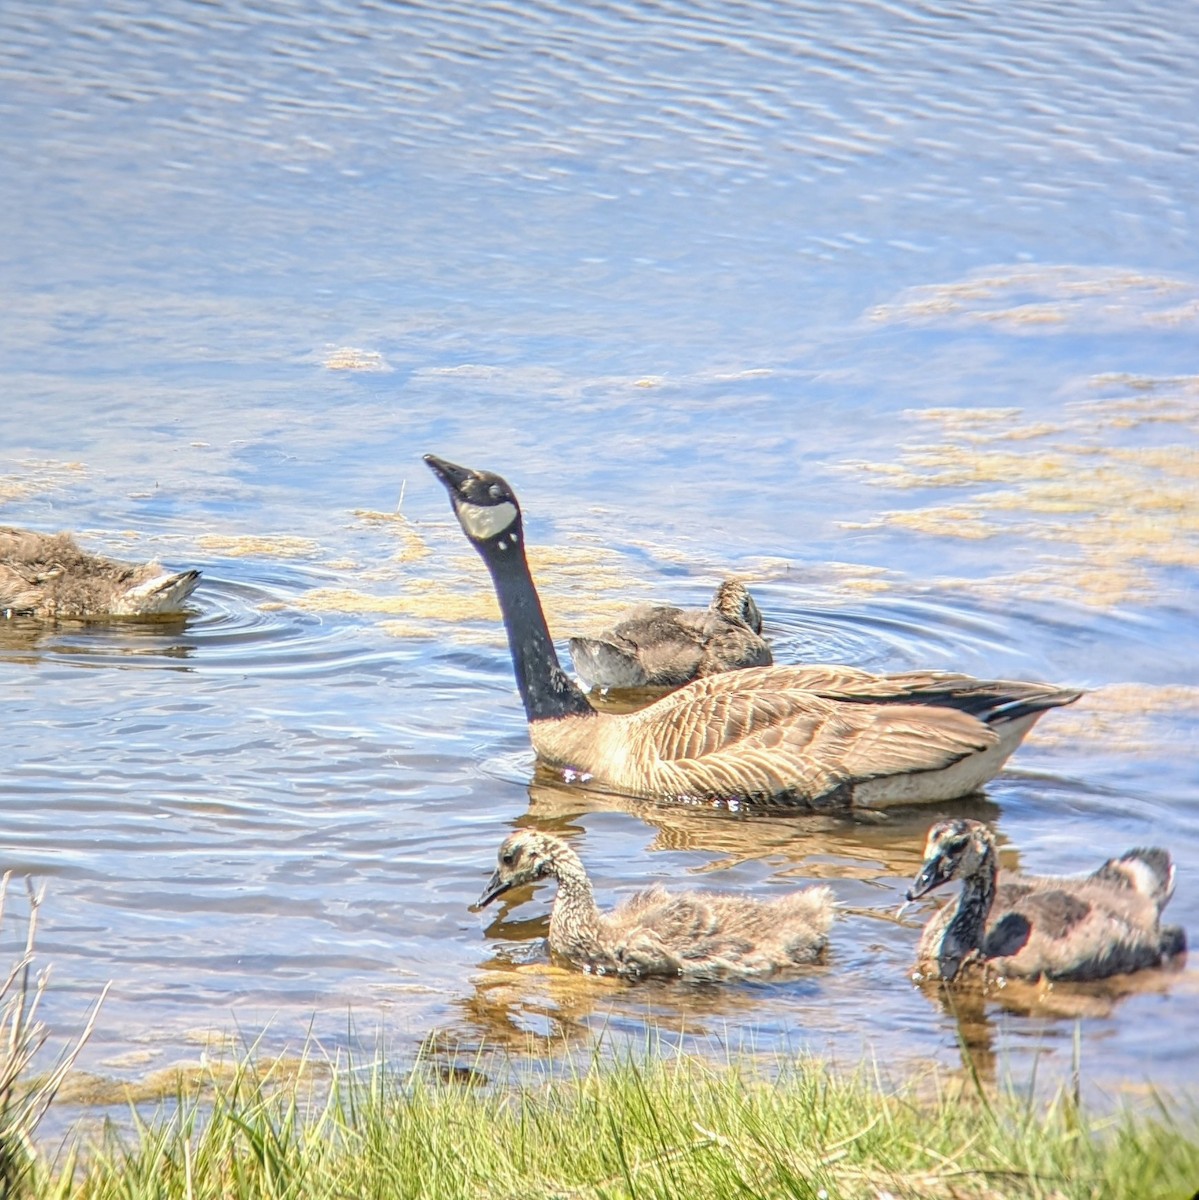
x=1028, y=926
x=700, y=936
x=661, y=646
x=47, y=576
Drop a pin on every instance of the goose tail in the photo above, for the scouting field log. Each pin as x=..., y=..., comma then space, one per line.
x=1147, y=869
x=162, y=594
x=1035, y=701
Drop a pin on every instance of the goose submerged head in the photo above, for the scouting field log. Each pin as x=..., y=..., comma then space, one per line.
x=486, y=507
x=954, y=849
x=524, y=857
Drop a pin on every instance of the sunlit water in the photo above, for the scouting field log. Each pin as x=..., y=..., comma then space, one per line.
x=892, y=310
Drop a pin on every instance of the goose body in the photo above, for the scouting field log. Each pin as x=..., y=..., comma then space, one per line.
x=701, y=936
x=661, y=646
x=820, y=737
x=1028, y=926
x=48, y=576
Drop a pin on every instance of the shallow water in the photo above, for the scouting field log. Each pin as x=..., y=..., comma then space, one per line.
x=890, y=309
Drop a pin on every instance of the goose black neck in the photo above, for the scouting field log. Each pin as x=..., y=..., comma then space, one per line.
x=548, y=692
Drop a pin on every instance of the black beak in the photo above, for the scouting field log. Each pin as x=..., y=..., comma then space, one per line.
x=450, y=474
x=935, y=872
x=495, y=887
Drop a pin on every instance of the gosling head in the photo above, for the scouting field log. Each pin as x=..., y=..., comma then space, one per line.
x=484, y=504
x=735, y=602
x=954, y=848
x=524, y=857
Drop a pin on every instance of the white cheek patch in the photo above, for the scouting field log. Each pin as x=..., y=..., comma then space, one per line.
x=485, y=521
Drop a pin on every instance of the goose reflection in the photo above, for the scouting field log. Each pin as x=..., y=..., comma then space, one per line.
x=886, y=848
x=28, y=640
x=985, y=1023
x=536, y=1007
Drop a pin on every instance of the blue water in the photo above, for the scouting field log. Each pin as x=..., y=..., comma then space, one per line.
x=697, y=279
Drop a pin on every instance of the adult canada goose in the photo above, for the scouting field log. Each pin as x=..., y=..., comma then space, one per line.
x=1028, y=926
x=700, y=936
x=824, y=737
x=661, y=646
x=47, y=575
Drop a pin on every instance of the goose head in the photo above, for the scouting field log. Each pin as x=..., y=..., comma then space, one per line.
x=486, y=507
x=955, y=848
x=524, y=857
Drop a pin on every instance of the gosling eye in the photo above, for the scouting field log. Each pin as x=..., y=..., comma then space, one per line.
x=495, y=492
x=508, y=858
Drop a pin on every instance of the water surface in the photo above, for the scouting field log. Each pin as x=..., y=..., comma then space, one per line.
x=891, y=309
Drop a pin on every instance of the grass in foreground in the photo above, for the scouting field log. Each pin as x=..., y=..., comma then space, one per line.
x=24, y=1096
x=645, y=1128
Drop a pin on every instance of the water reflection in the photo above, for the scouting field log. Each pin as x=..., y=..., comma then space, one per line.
x=1046, y=1010
x=541, y=1007
x=95, y=643
x=856, y=844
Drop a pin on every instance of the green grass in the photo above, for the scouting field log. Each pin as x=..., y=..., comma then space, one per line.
x=642, y=1127
x=25, y=1096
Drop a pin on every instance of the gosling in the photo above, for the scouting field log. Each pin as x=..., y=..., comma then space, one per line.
x=47, y=576
x=697, y=936
x=1027, y=926
x=661, y=646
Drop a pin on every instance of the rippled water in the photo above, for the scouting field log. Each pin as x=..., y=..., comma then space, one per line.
x=891, y=309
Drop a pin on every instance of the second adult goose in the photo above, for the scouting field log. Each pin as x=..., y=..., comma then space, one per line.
x=662, y=646
x=48, y=576
x=1028, y=926
x=702, y=936
x=823, y=737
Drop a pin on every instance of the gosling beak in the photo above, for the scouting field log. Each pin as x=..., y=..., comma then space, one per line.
x=496, y=886
x=450, y=474
x=935, y=872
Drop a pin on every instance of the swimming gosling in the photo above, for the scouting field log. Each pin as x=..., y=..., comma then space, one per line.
x=47, y=575
x=662, y=646
x=700, y=936
x=1028, y=926
x=821, y=737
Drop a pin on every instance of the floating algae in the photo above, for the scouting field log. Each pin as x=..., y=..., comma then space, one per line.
x=1101, y=522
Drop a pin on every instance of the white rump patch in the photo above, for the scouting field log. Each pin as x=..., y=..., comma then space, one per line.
x=1144, y=878
x=483, y=521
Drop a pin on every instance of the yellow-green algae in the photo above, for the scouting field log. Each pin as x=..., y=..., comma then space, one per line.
x=1101, y=519
x=350, y=358
x=38, y=477
x=412, y=545
x=244, y=545
x=1125, y=718
x=578, y=584
x=1049, y=298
